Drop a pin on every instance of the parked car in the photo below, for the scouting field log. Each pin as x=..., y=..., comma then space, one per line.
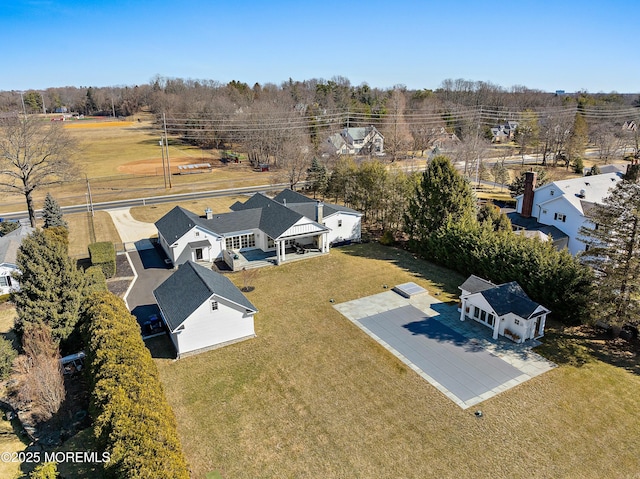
x=153, y=325
x=72, y=364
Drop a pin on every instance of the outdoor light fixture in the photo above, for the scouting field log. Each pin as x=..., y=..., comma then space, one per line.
x=478, y=413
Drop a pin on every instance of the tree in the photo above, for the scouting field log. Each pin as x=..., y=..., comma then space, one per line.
x=500, y=173
x=50, y=284
x=442, y=196
x=594, y=171
x=491, y=215
x=578, y=139
x=527, y=132
x=39, y=373
x=33, y=156
x=51, y=213
x=517, y=187
x=46, y=470
x=613, y=250
x=317, y=177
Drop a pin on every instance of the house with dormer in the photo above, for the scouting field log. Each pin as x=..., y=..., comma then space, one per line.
x=272, y=227
x=358, y=141
x=9, y=245
x=563, y=205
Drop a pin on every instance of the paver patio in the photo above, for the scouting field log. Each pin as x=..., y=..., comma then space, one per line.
x=460, y=359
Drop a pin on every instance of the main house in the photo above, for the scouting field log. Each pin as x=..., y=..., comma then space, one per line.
x=505, y=308
x=203, y=310
x=563, y=205
x=358, y=141
x=288, y=224
x=9, y=245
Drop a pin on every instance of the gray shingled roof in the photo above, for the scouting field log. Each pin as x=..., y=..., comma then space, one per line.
x=190, y=286
x=560, y=239
x=10, y=243
x=176, y=223
x=307, y=206
x=510, y=298
x=475, y=284
x=275, y=218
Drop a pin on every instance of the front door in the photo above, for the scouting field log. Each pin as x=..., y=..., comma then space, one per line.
x=198, y=254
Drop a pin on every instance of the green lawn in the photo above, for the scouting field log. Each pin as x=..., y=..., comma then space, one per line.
x=313, y=396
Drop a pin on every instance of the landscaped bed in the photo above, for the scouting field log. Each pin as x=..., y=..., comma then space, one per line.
x=314, y=396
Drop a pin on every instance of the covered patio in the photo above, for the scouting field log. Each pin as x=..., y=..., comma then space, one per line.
x=256, y=258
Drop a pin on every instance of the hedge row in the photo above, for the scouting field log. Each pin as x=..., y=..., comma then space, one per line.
x=553, y=278
x=131, y=417
x=103, y=254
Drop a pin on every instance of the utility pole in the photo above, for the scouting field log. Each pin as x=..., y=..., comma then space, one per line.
x=113, y=108
x=24, y=110
x=166, y=142
x=44, y=108
x=164, y=168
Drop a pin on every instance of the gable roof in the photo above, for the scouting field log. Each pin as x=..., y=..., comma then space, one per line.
x=475, y=284
x=190, y=286
x=307, y=206
x=10, y=243
x=560, y=240
x=510, y=298
x=176, y=223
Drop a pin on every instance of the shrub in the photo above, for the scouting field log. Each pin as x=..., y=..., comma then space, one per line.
x=7, y=355
x=4, y=298
x=387, y=238
x=132, y=419
x=47, y=470
x=103, y=254
x=94, y=280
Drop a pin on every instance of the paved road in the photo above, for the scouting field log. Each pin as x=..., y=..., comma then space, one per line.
x=151, y=200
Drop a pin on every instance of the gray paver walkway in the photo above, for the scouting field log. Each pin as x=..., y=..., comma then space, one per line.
x=460, y=359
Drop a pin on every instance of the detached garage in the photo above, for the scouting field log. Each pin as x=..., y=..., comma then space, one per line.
x=203, y=310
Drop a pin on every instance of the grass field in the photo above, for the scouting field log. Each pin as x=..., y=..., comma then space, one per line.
x=313, y=396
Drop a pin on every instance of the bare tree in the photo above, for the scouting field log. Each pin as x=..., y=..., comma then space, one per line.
x=395, y=129
x=40, y=374
x=294, y=162
x=33, y=156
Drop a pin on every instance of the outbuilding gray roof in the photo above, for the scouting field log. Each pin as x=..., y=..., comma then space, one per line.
x=307, y=206
x=176, y=223
x=475, y=284
x=190, y=286
x=510, y=298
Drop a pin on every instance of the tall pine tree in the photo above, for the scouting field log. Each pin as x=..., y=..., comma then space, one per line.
x=51, y=213
x=50, y=284
x=442, y=196
x=613, y=251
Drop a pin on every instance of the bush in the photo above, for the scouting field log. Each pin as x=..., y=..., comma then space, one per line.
x=387, y=238
x=4, y=298
x=7, y=355
x=103, y=254
x=47, y=470
x=94, y=280
x=132, y=419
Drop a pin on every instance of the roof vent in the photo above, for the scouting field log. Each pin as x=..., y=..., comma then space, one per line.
x=582, y=193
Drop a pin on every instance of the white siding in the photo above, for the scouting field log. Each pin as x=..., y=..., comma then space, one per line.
x=206, y=328
x=182, y=252
x=7, y=270
x=343, y=226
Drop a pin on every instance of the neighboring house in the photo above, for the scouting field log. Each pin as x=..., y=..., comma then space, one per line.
x=505, y=308
x=203, y=310
x=344, y=223
x=563, y=204
x=358, y=141
x=259, y=224
x=504, y=132
x=9, y=245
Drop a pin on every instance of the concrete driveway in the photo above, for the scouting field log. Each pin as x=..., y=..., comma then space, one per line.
x=459, y=358
x=129, y=229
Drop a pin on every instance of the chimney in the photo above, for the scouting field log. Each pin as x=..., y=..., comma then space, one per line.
x=284, y=201
x=527, y=200
x=319, y=211
x=208, y=213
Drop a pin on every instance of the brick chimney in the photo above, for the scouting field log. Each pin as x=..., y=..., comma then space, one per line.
x=527, y=200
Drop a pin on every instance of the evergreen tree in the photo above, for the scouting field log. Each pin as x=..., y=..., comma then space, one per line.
x=613, y=251
x=594, y=171
x=50, y=284
x=578, y=138
x=442, y=196
x=491, y=215
x=317, y=178
x=51, y=213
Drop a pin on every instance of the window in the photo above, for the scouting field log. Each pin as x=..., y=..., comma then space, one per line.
x=5, y=280
x=476, y=311
x=560, y=217
x=483, y=316
x=490, y=319
x=197, y=233
x=214, y=305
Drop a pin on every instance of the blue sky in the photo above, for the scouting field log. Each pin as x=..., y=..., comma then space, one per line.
x=569, y=45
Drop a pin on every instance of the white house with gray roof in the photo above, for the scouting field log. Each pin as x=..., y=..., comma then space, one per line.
x=565, y=204
x=358, y=141
x=203, y=310
x=9, y=245
x=505, y=308
x=272, y=226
